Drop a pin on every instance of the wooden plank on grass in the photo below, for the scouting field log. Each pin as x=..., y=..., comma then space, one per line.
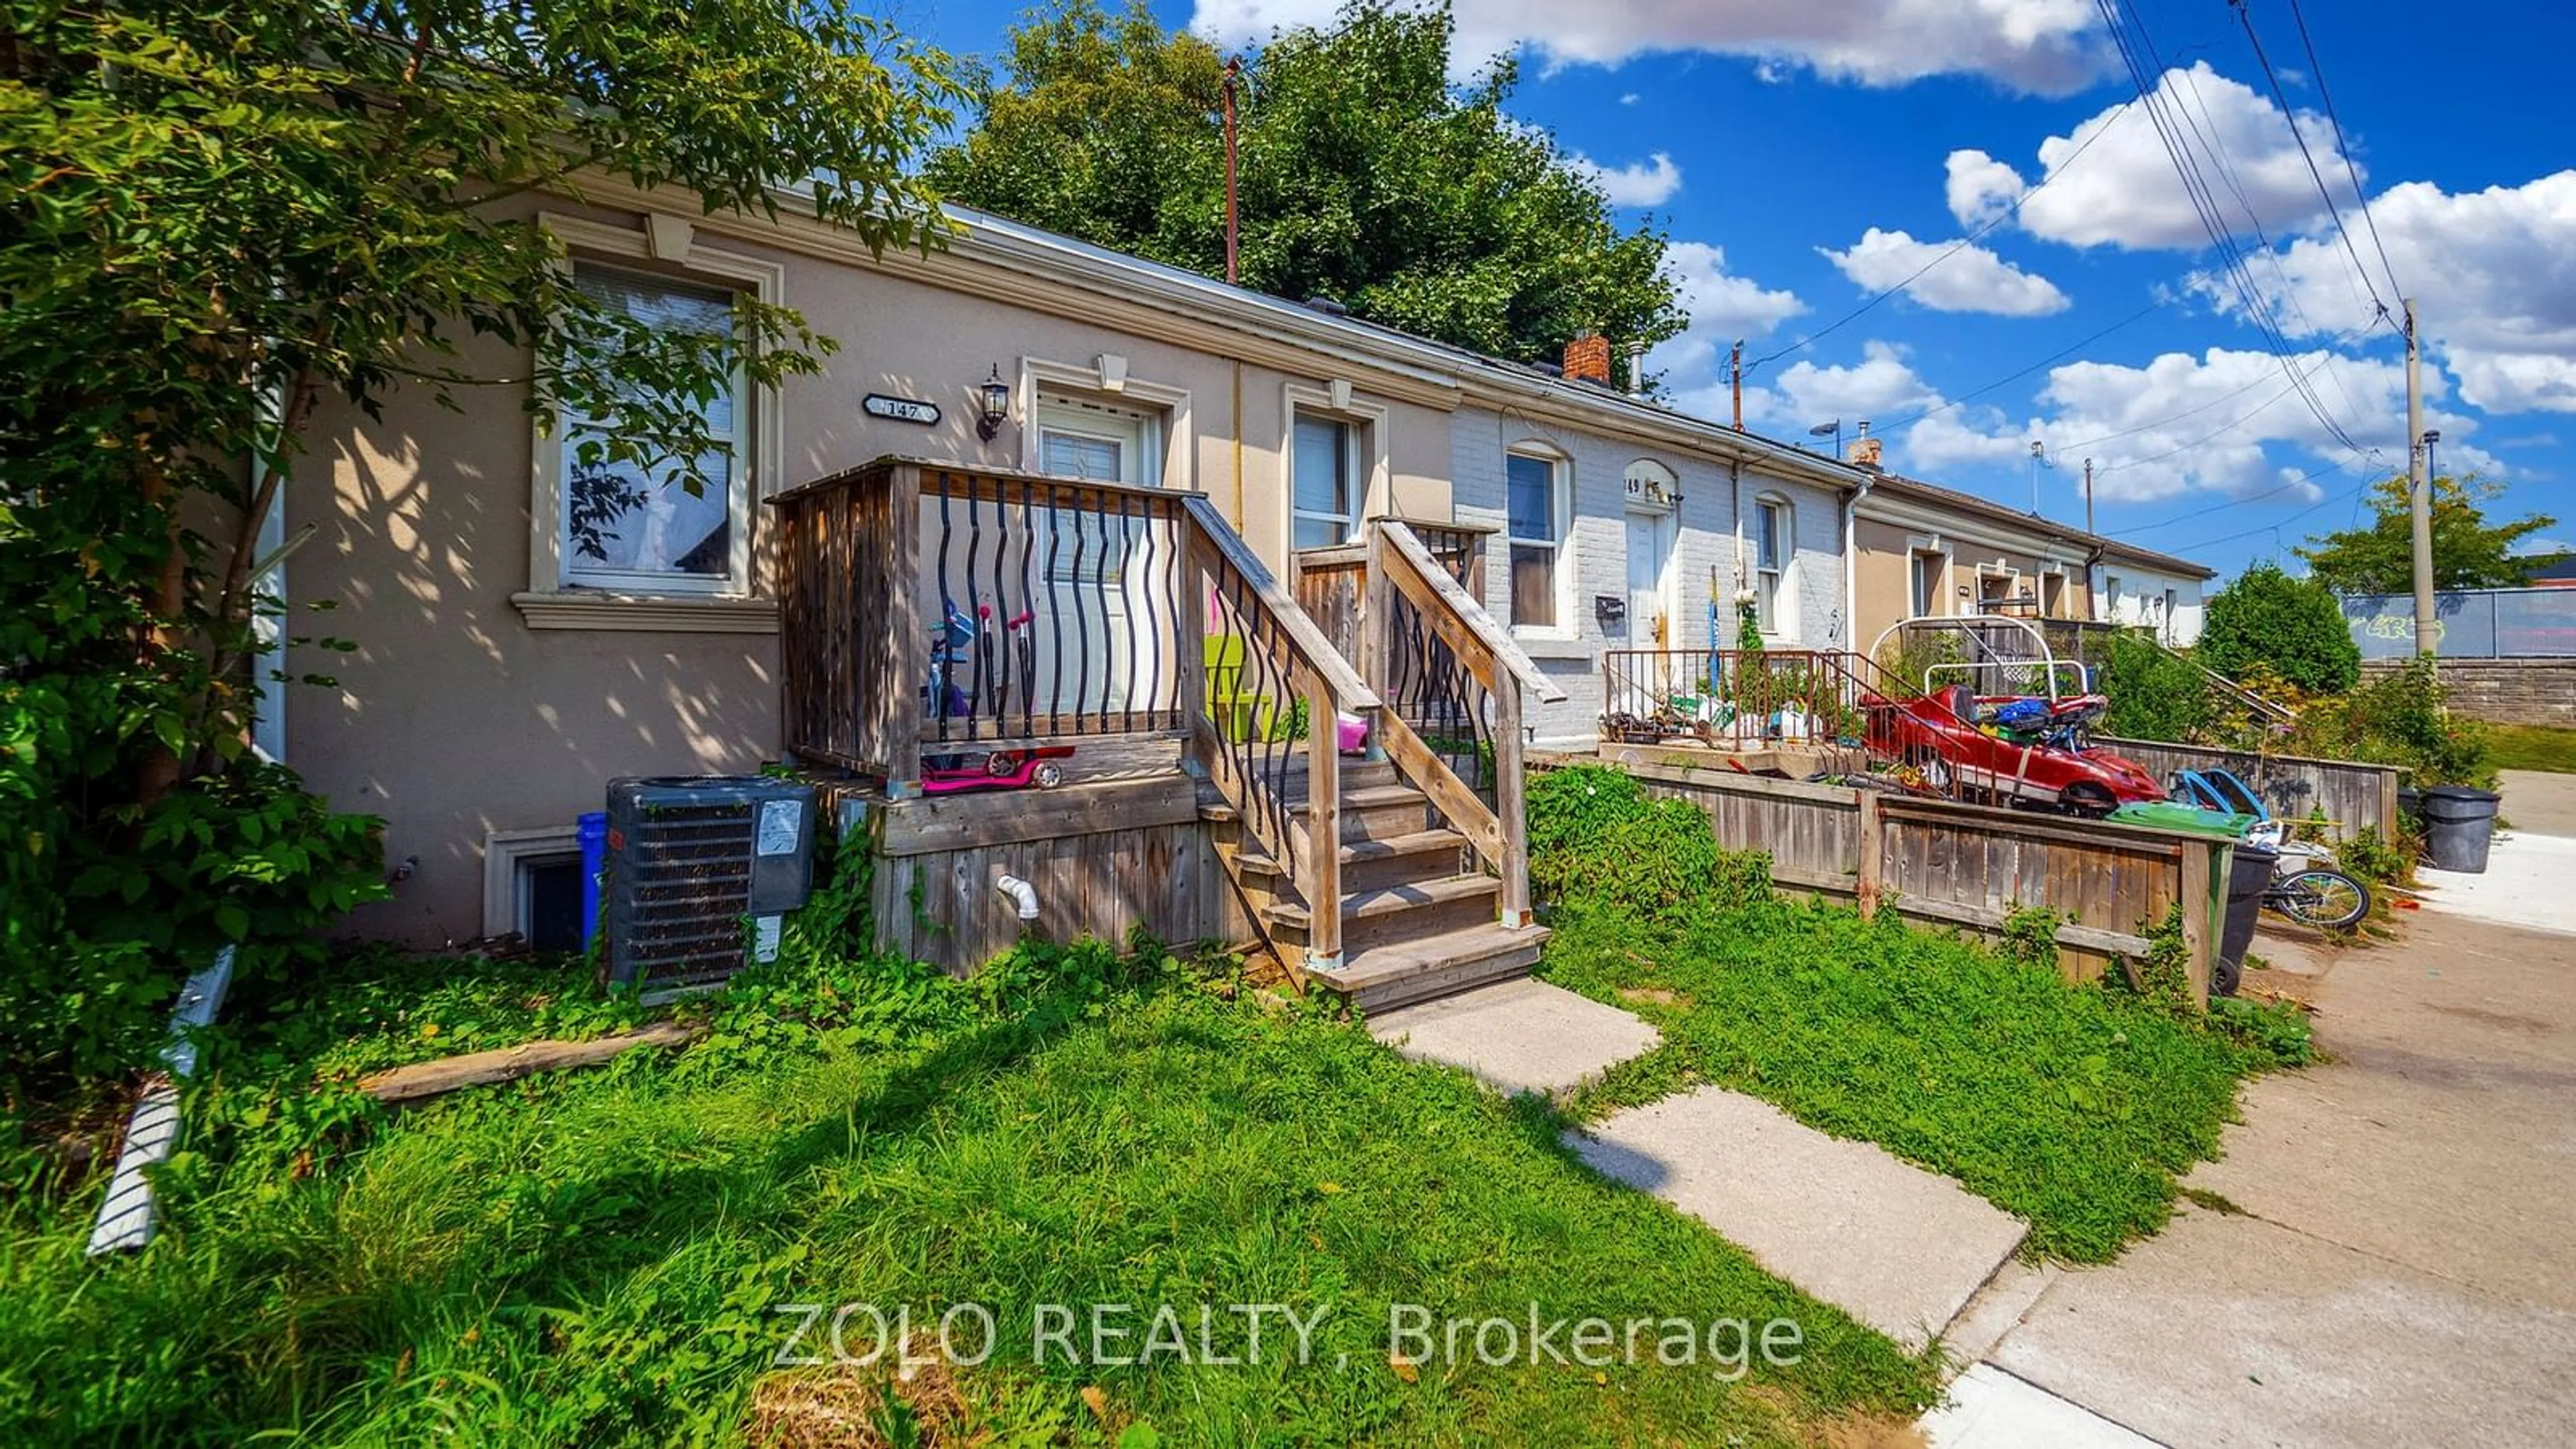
x=475, y=1069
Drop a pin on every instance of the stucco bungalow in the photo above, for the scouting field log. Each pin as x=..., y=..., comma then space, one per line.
x=517, y=651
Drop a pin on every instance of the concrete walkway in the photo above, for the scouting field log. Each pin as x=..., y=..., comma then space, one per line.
x=1899, y=1248
x=1518, y=1036
x=2389, y=1259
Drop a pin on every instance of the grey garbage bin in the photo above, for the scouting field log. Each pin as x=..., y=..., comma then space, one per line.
x=2458, y=824
x=2247, y=876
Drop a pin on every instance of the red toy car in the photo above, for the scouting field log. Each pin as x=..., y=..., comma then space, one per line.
x=2028, y=752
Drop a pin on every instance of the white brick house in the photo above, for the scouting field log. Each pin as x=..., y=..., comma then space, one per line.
x=1605, y=565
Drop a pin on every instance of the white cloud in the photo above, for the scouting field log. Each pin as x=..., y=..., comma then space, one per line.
x=1630, y=99
x=2184, y=423
x=2048, y=46
x=1884, y=389
x=2123, y=191
x=1972, y=279
x=1981, y=188
x=1722, y=307
x=2494, y=273
x=2534, y=546
x=2219, y=423
x=1650, y=182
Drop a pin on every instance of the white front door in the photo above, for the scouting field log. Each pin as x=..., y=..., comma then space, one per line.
x=1650, y=555
x=1085, y=652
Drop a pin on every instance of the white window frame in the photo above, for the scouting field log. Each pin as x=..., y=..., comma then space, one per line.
x=1371, y=483
x=1561, y=503
x=506, y=856
x=736, y=603
x=1770, y=583
x=1999, y=569
x=1936, y=597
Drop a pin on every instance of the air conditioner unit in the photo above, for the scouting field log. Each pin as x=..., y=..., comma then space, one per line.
x=699, y=872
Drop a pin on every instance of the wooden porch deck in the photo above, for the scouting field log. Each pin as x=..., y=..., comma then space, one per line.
x=931, y=613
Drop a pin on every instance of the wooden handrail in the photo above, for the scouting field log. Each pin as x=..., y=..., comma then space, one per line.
x=1453, y=602
x=1316, y=653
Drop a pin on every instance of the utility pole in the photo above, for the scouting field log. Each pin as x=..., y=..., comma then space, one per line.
x=2419, y=489
x=1233, y=69
x=2088, y=495
x=1735, y=372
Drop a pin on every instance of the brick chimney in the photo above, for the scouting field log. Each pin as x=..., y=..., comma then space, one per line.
x=1587, y=359
x=1864, y=452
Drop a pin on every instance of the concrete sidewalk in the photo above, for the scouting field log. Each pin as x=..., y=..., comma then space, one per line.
x=2530, y=881
x=2390, y=1260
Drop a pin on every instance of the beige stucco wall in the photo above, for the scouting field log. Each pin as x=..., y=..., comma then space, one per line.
x=455, y=718
x=1883, y=579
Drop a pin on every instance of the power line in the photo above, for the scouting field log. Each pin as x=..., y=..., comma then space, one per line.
x=2007, y=214
x=2343, y=148
x=2337, y=466
x=1974, y=393
x=2137, y=53
x=2245, y=17
x=2332, y=498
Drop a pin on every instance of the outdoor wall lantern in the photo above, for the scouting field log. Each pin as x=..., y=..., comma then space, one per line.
x=997, y=405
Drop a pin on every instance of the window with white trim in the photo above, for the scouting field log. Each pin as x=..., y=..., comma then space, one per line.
x=1774, y=540
x=647, y=530
x=1325, y=481
x=1534, y=536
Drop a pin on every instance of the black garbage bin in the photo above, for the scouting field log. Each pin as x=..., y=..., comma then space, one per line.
x=2247, y=876
x=2459, y=821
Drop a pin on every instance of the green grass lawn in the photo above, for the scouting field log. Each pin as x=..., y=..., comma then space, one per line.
x=2531, y=747
x=598, y=1258
x=2074, y=1107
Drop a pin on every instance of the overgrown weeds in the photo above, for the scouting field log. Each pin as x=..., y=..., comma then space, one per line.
x=2077, y=1107
x=606, y=1257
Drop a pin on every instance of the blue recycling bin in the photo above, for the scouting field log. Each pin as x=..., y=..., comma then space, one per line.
x=594, y=859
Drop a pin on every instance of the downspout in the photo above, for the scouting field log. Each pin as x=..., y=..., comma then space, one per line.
x=1851, y=565
x=1238, y=446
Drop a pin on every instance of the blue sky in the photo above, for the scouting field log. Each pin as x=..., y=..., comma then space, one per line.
x=1806, y=156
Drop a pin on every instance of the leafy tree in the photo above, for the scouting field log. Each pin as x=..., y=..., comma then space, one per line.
x=1362, y=175
x=2292, y=626
x=2467, y=554
x=213, y=217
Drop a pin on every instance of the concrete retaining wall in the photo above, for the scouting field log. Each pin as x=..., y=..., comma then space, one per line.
x=2507, y=691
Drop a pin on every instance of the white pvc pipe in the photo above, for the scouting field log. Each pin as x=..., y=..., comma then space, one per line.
x=1023, y=895
x=125, y=1219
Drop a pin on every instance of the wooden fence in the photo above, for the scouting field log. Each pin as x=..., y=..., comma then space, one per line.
x=2352, y=795
x=1969, y=866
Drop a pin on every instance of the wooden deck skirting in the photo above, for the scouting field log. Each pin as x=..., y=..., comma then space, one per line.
x=1967, y=866
x=1104, y=854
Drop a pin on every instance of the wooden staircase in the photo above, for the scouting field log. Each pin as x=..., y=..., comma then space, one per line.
x=1420, y=916
x=1385, y=878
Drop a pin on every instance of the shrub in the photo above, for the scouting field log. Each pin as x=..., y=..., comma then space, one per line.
x=2155, y=694
x=1596, y=837
x=2293, y=625
x=2400, y=718
x=108, y=914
